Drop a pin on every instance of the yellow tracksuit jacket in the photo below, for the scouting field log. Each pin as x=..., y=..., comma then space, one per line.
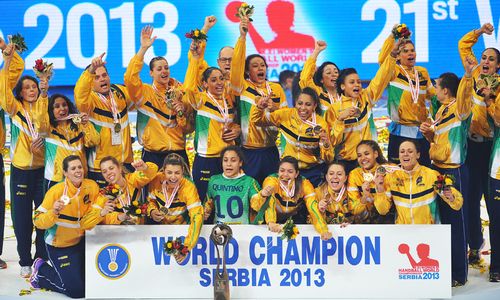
x=82, y=213
x=186, y=202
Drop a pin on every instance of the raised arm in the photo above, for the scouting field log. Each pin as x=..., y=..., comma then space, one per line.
x=132, y=76
x=384, y=74
x=7, y=100
x=144, y=173
x=191, y=92
x=238, y=63
x=307, y=74
x=470, y=39
x=83, y=87
x=464, y=92
x=386, y=49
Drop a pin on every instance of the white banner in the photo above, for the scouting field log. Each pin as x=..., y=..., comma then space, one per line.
x=360, y=261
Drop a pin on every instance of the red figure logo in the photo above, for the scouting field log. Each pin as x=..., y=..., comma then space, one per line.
x=423, y=251
x=288, y=49
x=280, y=16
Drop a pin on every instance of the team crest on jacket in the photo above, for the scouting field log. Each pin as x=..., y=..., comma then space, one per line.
x=419, y=181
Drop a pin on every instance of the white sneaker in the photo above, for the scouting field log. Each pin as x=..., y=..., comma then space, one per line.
x=25, y=272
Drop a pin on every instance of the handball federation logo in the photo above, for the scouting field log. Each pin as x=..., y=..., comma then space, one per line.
x=425, y=268
x=113, y=261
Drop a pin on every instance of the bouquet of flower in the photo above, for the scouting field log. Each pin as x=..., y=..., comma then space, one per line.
x=196, y=35
x=111, y=191
x=18, y=40
x=443, y=182
x=401, y=31
x=175, y=247
x=338, y=218
x=137, y=209
x=174, y=94
x=488, y=81
x=43, y=68
x=245, y=10
x=289, y=231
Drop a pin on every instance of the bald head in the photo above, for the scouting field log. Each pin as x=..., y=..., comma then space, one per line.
x=224, y=60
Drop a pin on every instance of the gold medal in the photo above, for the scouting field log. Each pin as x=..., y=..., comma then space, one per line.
x=381, y=170
x=77, y=119
x=117, y=128
x=368, y=177
x=65, y=199
x=164, y=210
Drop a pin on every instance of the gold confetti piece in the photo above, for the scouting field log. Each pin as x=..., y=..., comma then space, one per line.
x=24, y=292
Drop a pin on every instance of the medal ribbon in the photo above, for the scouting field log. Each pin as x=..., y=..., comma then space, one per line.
x=288, y=192
x=111, y=104
x=261, y=92
x=169, y=198
x=441, y=115
x=224, y=111
x=341, y=193
x=31, y=127
x=331, y=98
x=65, y=192
x=414, y=89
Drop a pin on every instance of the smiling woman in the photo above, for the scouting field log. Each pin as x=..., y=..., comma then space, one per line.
x=66, y=133
x=26, y=151
x=303, y=131
x=68, y=209
x=173, y=197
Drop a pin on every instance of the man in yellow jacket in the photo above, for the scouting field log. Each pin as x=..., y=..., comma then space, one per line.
x=107, y=106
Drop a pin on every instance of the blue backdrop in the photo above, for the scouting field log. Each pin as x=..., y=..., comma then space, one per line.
x=69, y=33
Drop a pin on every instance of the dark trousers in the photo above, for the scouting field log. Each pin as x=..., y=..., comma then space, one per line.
x=97, y=176
x=47, y=184
x=203, y=169
x=67, y=273
x=26, y=188
x=158, y=157
x=393, y=149
x=349, y=165
x=493, y=206
x=316, y=174
x=457, y=220
x=2, y=203
x=477, y=162
x=260, y=163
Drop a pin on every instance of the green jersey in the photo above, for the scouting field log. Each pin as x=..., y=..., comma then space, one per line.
x=231, y=197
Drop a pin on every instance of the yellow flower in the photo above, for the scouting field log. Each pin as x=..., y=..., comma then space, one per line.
x=244, y=4
x=114, y=191
x=169, y=245
x=138, y=211
x=403, y=25
x=135, y=203
x=448, y=181
x=295, y=230
x=196, y=33
x=293, y=236
x=340, y=214
x=119, y=205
